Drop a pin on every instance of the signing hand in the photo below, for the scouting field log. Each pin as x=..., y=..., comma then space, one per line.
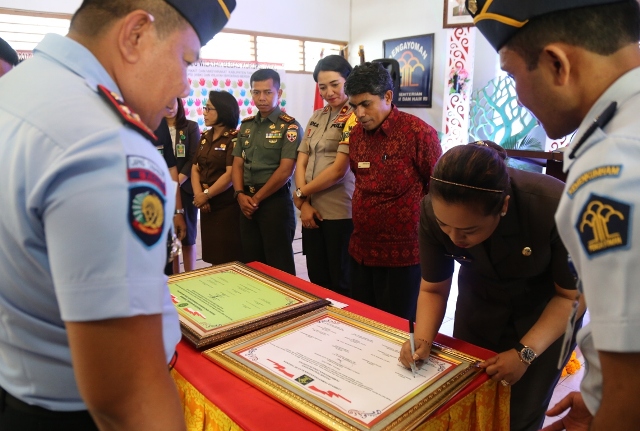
x=578, y=419
x=247, y=205
x=423, y=348
x=505, y=366
x=308, y=216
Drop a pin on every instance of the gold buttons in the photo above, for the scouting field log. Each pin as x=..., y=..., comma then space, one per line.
x=526, y=251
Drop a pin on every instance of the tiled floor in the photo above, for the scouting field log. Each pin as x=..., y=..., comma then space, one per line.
x=566, y=384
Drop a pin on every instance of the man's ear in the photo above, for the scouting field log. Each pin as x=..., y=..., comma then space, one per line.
x=133, y=28
x=556, y=59
x=279, y=93
x=388, y=97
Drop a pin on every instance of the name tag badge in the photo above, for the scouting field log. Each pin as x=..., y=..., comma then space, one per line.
x=181, y=150
x=364, y=165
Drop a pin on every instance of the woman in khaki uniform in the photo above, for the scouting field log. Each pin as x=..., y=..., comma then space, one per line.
x=325, y=183
x=211, y=181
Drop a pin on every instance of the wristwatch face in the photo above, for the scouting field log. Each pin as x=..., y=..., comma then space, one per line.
x=299, y=193
x=527, y=354
x=206, y=191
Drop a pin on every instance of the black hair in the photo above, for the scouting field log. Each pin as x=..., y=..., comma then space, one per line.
x=480, y=164
x=181, y=121
x=602, y=29
x=264, y=75
x=7, y=53
x=94, y=16
x=226, y=107
x=333, y=63
x=370, y=78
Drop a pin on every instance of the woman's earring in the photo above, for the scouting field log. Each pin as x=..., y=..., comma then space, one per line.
x=504, y=213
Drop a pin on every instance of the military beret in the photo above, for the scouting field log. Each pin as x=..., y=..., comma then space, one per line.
x=7, y=53
x=499, y=20
x=207, y=17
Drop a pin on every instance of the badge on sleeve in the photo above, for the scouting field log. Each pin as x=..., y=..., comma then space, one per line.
x=603, y=225
x=146, y=199
x=292, y=135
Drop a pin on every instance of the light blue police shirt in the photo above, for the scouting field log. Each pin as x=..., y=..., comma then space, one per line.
x=86, y=203
x=598, y=222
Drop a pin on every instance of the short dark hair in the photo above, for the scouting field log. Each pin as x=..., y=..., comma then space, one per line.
x=480, y=164
x=94, y=16
x=602, y=29
x=7, y=53
x=226, y=107
x=370, y=78
x=264, y=75
x=333, y=63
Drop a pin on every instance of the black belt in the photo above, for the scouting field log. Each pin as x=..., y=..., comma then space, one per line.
x=253, y=189
x=6, y=399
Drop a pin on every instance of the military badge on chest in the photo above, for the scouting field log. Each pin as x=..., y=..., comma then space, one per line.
x=603, y=225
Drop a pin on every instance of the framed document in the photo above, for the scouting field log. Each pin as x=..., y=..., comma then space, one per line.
x=342, y=371
x=456, y=14
x=225, y=301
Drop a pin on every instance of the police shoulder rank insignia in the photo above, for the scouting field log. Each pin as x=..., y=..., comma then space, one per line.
x=147, y=192
x=603, y=225
x=130, y=117
x=233, y=133
x=286, y=118
x=245, y=119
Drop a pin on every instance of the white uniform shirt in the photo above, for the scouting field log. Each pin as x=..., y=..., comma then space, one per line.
x=86, y=205
x=598, y=224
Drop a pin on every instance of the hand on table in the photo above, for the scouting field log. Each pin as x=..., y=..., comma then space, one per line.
x=505, y=366
x=578, y=419
x=423, y=348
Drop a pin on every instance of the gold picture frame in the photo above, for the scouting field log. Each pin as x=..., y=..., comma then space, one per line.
x=328, y=403
x=225, y=301
x=456, y=15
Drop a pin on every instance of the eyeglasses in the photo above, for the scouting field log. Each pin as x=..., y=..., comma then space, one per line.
x=208, y=108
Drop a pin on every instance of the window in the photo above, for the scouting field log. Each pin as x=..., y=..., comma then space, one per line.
x=24, y=30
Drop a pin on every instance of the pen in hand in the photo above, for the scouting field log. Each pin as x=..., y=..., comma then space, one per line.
x=413, y=348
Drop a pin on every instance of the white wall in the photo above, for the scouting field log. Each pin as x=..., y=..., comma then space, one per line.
x=373, y=21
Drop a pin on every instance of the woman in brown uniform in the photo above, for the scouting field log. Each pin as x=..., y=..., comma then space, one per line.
x=211, y=181
x=515, y=288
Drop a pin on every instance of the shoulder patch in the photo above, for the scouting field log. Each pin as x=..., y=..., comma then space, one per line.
x=326, y=109
x=245, y=119
x=286, y=118
x=594, y=174
x=292, y=126
x=233, y=133
x=130, y=117
x=603, y=225
x=147, y=192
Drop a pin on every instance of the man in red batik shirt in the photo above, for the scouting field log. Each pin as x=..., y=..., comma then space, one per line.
x=392, y=154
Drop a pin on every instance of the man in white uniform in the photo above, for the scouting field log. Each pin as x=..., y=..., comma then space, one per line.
x=576, y=65
x=86, y=324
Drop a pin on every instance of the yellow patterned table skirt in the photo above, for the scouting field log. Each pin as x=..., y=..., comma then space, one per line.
x=485, y=409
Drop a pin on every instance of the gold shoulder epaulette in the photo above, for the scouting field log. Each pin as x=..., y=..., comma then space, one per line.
x=286, y=118
x=233, y=133
x=245, y=119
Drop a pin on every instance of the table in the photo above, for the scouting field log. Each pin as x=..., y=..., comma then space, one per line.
x=214, y=399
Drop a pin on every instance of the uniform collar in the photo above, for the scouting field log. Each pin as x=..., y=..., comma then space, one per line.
x=617, y=92
x=273, y=117
x=78, y=59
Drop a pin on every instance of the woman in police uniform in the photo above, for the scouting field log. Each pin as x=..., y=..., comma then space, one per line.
x=516, y=290
x=211, y=181
x=325, y=182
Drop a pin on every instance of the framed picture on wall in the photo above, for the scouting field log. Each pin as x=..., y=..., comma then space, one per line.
x=456, y=15
x=415, y=58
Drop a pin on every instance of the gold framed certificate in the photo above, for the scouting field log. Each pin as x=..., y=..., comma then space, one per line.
x=341, y=370
x=225, y=301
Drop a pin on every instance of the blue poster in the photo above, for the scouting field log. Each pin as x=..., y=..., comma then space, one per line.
x=415, y=58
